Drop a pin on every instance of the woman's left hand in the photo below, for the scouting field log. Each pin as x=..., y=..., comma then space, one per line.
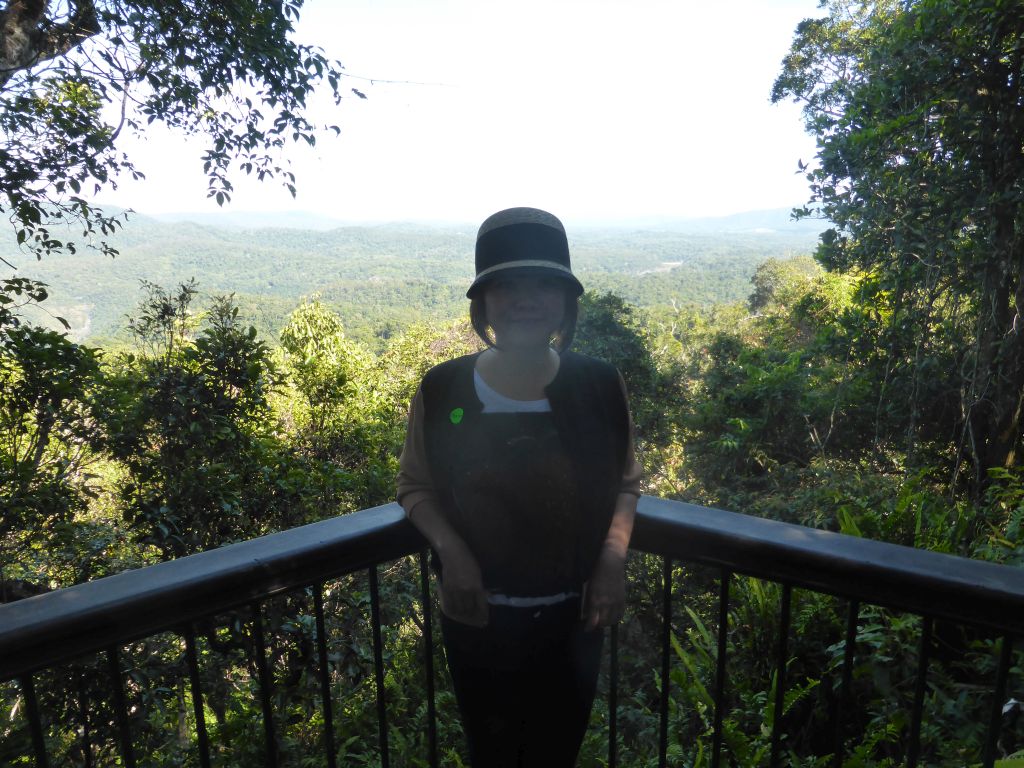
x=605, y=597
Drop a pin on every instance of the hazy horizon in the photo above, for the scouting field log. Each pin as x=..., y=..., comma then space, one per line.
x=309, y=219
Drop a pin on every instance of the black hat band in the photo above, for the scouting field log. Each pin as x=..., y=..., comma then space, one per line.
x=516, y=244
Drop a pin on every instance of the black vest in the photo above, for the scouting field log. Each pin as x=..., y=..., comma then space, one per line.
x=590, y=415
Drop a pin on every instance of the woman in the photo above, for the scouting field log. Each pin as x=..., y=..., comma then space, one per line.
x=518, y=468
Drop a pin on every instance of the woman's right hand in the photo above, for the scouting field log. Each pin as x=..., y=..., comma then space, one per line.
x=463, y=597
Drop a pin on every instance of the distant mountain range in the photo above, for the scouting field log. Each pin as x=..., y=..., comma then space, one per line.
x=773, y=220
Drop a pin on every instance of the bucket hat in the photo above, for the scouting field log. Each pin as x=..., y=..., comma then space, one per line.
x=522, y=242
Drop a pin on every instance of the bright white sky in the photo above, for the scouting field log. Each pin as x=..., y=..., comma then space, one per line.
x=598, y=110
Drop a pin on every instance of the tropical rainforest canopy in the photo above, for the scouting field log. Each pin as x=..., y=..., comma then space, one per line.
x=875, y=389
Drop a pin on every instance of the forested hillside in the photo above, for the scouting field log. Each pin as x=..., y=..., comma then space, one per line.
x=195, y=433
x=381, y=278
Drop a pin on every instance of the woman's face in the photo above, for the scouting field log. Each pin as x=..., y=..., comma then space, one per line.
x=524, y=311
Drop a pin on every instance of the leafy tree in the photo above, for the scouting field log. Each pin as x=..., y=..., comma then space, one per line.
x=191, y=424
x=44, y=433
x=917, y=110
x=612, y=330
x=609, y=329
x=780, y=282
x=327, y=368
x=75, y=74
x=337, y=414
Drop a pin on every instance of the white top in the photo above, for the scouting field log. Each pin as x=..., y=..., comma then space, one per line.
x=495, y=402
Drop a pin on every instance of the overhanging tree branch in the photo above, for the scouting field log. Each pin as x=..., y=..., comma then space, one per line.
x=228, y=71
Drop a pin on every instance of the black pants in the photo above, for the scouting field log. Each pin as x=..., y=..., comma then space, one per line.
x=524, y=684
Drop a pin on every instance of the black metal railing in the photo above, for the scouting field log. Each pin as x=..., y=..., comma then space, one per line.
x=104, y=616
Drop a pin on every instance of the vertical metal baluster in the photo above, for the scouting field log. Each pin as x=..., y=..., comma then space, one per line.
x=266, y=685
x=120, y=706
x=378, y=663
x=780, y=673
x=83, y=712
x=914, y=748
x=666, y=646
x=723, y=633
x=613, y=699
x=998, y=696
x=325, y=677
x=192, y=659
x=849, y=648
x=35, y=723
x=428, y=651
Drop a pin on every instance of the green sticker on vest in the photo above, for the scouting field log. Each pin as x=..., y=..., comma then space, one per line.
x=456, y=415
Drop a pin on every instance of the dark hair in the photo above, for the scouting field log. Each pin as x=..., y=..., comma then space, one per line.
x=563, y=336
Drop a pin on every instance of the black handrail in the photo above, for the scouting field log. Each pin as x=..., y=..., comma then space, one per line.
x=890, y=575
x=103, y=615
x=46, y=629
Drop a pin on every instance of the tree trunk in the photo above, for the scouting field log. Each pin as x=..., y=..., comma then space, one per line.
x=28, y=36
x=997, y=389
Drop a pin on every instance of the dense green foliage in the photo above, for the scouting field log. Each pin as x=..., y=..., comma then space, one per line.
x=198, y=434
x=918, y=112
x=854, y=393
